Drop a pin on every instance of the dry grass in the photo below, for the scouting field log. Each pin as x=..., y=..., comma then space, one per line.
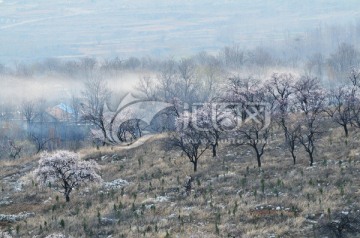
x=230, y=198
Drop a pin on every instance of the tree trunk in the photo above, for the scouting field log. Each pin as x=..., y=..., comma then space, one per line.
x=195, y=165
x=311, y=159
x=346, y=130
x=67, y=191
x=258, y=160
x=293, y=156
x=214, y=150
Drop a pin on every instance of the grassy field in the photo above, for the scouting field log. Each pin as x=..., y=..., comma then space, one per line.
x=144, y=195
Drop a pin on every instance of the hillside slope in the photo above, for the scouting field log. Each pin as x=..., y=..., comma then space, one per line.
x=144, y=195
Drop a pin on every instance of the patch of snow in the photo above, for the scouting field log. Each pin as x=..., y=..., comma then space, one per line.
x=18, y=186
x=15, y=218
x=228, y=174
x=116, y=184
x=149, y=206
x=5, y=235
x=187, y=208
x=58, y=235
x=48, y=200
x=5, y=201
x=104, y=157
x=157, y=199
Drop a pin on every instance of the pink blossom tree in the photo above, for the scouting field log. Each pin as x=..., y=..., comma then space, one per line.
x=64, y=171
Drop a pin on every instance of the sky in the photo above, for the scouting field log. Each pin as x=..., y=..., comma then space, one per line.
x=38, y=29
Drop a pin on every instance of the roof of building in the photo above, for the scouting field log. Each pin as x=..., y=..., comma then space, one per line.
x=65, y=108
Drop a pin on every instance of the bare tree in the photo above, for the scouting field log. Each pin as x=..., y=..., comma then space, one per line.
x=314, y=66
x=339, y=108
x=250, y=97
x=255, y=135
x=310, y=102
x=233, y=57
x=210, y=77
x=260, y=58
x=281, y=89
x=344, y=59
x=355, y=97
x=244, y=92
x=15, y=150
x=40, y=141
x=96, y=94
x=147, y=87
x=186, y=69
x=28, y=110
x=292, y=135
x=355, y=77
x=64, y=171
x=189, y=139
x=76, y=107
x=208, y=118
x=167, y=80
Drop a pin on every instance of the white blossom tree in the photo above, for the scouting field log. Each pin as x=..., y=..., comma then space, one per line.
x=64, y=171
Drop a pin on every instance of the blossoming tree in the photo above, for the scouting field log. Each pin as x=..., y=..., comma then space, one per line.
x=64, y=171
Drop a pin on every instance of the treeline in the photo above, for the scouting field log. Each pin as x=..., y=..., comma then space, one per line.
x=235, y=58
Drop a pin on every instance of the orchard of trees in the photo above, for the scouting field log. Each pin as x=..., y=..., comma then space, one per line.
x=299, y=106
x=236, y=95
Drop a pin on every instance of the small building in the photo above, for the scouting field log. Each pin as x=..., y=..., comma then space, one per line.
x=62, y=112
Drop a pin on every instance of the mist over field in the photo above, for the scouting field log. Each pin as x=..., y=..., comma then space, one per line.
x=35, y=31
